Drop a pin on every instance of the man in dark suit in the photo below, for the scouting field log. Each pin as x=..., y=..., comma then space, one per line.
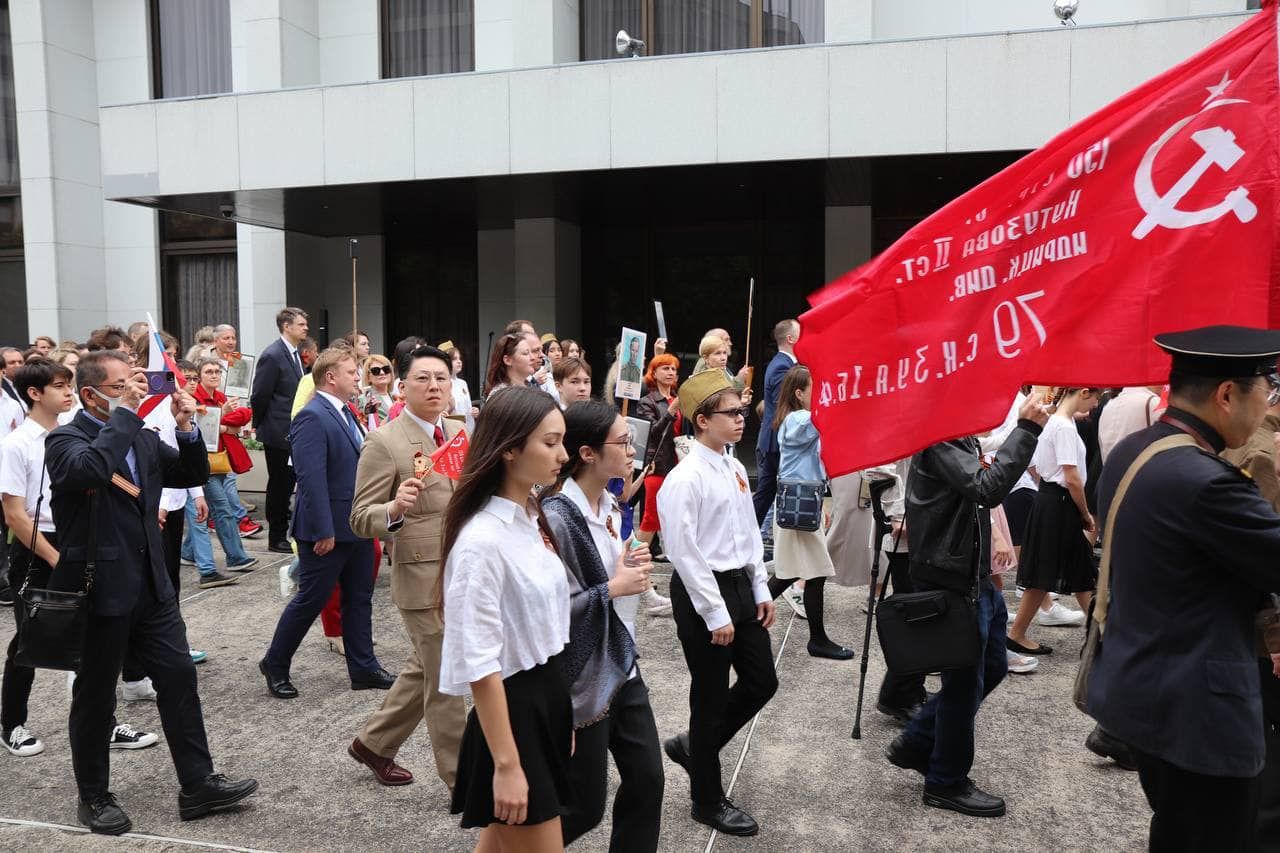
x=106, y=473
x=1193, y=548
x=785, y=335
x=275, y=380
x=326, y=439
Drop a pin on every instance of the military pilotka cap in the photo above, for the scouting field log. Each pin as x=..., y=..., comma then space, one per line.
x=1222, y=351
x=695, y=390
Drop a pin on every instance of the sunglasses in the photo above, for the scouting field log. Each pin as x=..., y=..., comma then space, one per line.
x=379, y=371
x=740, y=412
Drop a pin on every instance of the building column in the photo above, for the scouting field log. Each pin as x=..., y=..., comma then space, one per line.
x=525, y=33
x=849, y=20
x=260, y=274
x=848, y=238
x=55, y=89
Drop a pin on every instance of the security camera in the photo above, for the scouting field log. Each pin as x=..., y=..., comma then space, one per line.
x=226, y=210
x=625, y=44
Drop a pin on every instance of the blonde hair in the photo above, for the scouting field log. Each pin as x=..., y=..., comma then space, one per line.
x=372, y=359
x=329, y=359
x=710, y=344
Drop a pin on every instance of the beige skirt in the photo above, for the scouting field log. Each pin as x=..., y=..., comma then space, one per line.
x=801, y=554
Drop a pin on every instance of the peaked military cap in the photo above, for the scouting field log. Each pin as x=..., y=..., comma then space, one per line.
x=1222, y=351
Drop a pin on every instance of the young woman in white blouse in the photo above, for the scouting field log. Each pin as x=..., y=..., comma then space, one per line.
x=1057, y=552
x=506, y=615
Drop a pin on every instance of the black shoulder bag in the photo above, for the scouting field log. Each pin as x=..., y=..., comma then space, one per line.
x=931, y=631
x=52, y=629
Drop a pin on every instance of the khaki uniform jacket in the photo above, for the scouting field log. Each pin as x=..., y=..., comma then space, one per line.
x=386, y=461
x=1258, y=459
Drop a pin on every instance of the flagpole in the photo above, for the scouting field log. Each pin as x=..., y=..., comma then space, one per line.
x=355, y=258
x=751, y=299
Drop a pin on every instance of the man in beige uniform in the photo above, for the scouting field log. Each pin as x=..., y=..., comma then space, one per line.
x=398, y=494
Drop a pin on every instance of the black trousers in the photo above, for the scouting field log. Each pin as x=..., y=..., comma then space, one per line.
x=280, y=482
x=901, y=691
x=766, y=483
x=1194, y=812
x=155, y=633
x=716, y=710
x=15, y=686
x=1269, y=781
x=171, y=535
x=630, y=734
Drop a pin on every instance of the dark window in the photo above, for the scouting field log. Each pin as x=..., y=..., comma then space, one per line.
x=698, y=26
x=9, y=173
x=13, y=279
x=198, y=269
x=191, y=47
x=421, y=37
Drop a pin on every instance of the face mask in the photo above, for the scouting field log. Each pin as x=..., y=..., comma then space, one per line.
x=113, y=403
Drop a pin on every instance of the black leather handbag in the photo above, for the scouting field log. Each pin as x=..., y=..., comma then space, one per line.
x=52, y=623
x=929, y=631
x=799, y=504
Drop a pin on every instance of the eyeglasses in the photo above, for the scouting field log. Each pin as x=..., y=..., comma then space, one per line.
x=740, y=412
x=118, y=387
x=623, y=442
x=379, y=371
x=1273, y=388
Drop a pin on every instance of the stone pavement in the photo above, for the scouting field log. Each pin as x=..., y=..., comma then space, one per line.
x=809, y=785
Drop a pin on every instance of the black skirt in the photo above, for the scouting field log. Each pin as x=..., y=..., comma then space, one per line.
x=541, y=717
x=1056, y=556
x=1017, y=510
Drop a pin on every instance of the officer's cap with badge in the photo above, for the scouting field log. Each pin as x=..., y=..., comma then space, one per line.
x=1223, y=352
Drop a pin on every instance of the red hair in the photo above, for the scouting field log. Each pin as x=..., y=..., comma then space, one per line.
x=664, y=360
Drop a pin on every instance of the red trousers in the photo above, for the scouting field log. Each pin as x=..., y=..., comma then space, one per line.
x=331, y=616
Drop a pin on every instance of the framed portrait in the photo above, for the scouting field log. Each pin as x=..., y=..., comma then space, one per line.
x=639, y=429
x=631, y=372
x=208, y=422
x=237, y=379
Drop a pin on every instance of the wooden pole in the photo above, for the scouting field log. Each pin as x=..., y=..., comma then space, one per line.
x=751, y=300
x=355, y=324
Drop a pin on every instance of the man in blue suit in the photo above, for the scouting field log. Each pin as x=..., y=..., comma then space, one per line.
x=275, y=381
x=785, y=335
x=326, y=440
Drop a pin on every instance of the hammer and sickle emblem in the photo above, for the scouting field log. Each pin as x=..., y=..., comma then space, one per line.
x=1220, y=149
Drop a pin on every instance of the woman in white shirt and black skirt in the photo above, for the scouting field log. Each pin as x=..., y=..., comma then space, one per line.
x=1057, y=551
x=506, y=616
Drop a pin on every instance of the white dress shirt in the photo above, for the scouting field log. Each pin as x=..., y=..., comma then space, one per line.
x=426, y=426
x=462, y=403
x=1133, y=409
x=11, y=414
x=22, y=469
x=506, y=601
x=294, y=358
x=343, y=413
x=709, y=525
x=608, y=539
x=160, y=421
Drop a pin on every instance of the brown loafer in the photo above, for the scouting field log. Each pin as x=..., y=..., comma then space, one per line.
x=385, y=770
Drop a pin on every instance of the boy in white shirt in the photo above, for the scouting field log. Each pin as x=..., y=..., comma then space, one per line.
x=719, y=595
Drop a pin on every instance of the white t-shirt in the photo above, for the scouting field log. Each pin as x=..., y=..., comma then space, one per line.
x=22, y=468
x=1060, y=444
x=506, y=600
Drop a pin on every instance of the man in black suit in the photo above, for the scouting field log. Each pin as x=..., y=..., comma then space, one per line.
x=785, y=335
x=275, y=381
x=327, y=435
x=106, y=473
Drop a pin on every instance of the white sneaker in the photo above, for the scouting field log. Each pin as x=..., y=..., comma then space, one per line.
x=139, y=691
x=288, y=586
x=1021, y=663
x=127, y=737
x=1059, y=616
x=795, y=597
x=22, y=743
x=655, y=604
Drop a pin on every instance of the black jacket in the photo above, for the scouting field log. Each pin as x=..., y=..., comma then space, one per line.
x=661, y=449
x=949, y=496
x=81, y=457
x=275, y=381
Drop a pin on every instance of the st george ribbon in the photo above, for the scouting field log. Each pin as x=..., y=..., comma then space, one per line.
x=1156, y=213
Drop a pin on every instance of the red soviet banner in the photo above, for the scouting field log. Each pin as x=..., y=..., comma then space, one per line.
x=1157, y=213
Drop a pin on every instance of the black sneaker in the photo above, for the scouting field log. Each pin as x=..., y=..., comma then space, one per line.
x=127, y=737
x=246, y=566
x=103, y=815
x=216, y=579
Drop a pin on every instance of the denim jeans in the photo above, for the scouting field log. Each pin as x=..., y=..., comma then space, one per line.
x=233, y=495
x=944, y=727
x=197, y=546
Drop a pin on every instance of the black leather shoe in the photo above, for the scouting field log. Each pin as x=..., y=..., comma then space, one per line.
x=103, y=815
x=214, y=792
x=900, y=754
x=1108, y=745
x=964, y=798
x=281, y=688
x=377, y=679
x=281, y=547
x=900, y=716
x=831, y=651
x=726, y=817
x=677, y=749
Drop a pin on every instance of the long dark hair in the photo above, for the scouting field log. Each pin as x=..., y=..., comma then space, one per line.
x=497, y=374
x=797, y=379
x=586, y=424
x=505, y=423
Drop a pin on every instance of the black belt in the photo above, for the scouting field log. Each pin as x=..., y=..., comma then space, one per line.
x=730, y=574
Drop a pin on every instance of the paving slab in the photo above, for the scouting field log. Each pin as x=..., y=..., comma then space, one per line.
x=810, y=785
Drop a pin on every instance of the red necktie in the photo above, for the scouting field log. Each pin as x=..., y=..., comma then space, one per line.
x=439, y=436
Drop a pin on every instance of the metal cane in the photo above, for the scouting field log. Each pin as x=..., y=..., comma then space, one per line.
x=882, y=529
